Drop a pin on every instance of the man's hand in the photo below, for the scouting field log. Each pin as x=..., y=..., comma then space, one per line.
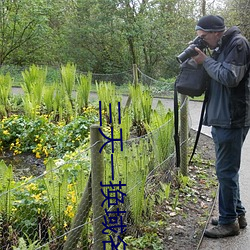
x=200, y=58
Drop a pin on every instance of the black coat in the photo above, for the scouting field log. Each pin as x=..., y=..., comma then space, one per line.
x=229, y=90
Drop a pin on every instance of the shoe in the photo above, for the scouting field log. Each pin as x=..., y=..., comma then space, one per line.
x=221, y=231
x=241, y=219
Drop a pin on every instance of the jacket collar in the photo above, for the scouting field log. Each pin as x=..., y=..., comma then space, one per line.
x=231, y=32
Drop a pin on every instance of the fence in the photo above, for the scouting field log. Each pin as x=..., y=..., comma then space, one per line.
x=96, y=204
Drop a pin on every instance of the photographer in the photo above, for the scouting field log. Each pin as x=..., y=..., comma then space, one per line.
x=228, y=112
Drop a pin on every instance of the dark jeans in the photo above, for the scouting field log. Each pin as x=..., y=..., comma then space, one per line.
x=228, y=145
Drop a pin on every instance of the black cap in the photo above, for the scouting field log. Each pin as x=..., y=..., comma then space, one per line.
x=210, y=23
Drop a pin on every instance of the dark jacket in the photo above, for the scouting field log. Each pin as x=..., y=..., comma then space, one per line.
x=228, y=103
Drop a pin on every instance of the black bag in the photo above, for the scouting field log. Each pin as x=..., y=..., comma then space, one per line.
x=192, y=80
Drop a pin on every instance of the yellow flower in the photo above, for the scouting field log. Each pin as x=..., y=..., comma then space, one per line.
x=14, y=209
x=17, y=152
x=37, y=196
x=6, y=132
x=69, y=211
x=73, y=199
x=38, y=156
x=45, y=151
x=31, y=187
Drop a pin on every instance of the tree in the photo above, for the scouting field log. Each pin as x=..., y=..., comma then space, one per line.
x=20, y=22
x=237, y=13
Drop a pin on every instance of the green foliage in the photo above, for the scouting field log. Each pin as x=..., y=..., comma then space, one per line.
x=83, y=91
x=56, y=183
x=161, y=126
x=68, y=74
x=103, y=36
x=23, y=245
x=125, y=126
x=43, y=137
x=136, y=180
x=6, y=184
x=49, y=198
x=147, y=241
x=184, y=181
x=176, y=199
x=48, y=98
x=107, y=95
x=5, y=91
x=141, y=109
x=164, y=191
x=30, y=206
x=33, y=85
x=131, y=167
x=23, y=25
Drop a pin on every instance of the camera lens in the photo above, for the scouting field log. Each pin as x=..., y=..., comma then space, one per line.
x=187, y=53
x=190, y=50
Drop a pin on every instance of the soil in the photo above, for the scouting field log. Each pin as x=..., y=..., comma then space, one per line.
x=186, y=223
x=25, y=164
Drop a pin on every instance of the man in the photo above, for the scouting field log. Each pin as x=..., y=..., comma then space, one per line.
x=228, y=112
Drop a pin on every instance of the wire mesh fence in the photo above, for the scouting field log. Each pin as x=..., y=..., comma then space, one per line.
x=72, y=206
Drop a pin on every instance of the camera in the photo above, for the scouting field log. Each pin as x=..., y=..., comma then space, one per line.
x=190, y=51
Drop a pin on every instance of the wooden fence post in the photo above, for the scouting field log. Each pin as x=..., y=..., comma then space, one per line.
x=97, y=173
x=135, y=74
x=135, y=82
x=80, y=218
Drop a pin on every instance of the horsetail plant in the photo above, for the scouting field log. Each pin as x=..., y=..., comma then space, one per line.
x=141, y=110
x=33, y=85
x=6, y=184
x=83, y=90
x=68, y=74
x=161, y=126
x=56, y=184
x=5, y=89
x=107, y=95
x=131, y=167
x=48, y=98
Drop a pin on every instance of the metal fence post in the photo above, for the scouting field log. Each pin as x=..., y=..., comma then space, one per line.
x=97, y=174
x=184, y=135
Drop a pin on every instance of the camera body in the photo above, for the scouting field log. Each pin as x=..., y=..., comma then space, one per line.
x=190, y=51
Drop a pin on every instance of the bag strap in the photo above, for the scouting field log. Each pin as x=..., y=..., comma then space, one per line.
x=176, y=126
x=199, y=127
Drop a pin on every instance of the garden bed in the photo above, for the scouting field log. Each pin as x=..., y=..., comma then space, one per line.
x=186, y=224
